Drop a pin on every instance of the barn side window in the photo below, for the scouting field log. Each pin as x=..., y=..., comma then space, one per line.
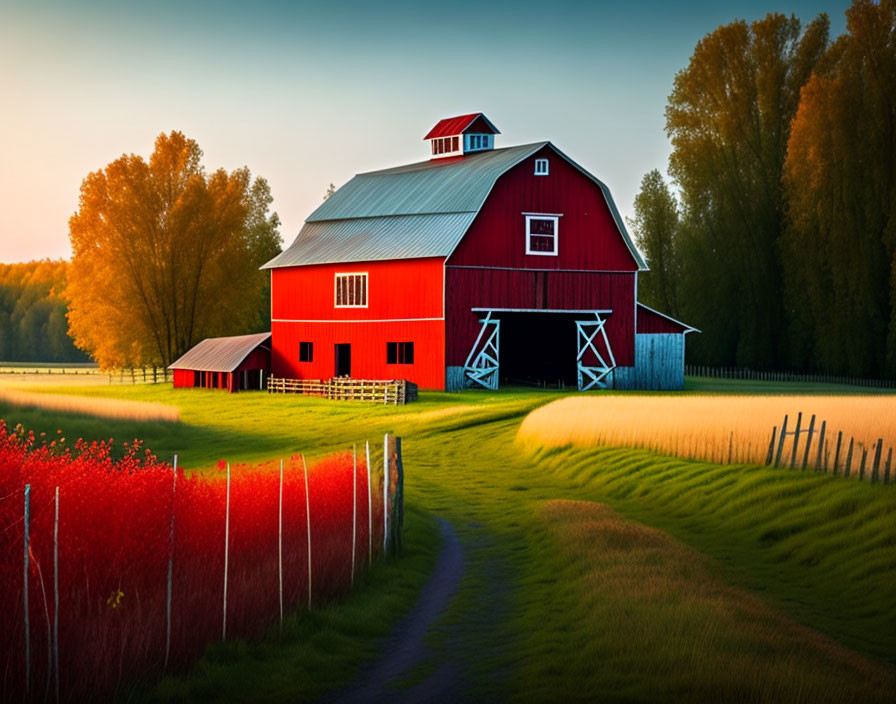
x=306, y=351
x=541, y=167
x=541, y=234
x=351, y=290
x=399, y=353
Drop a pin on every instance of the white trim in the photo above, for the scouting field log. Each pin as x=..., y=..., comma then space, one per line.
x=595, y=311
x=336, y=276
x=538, y=216
x=379, y=320
x=546, y=170
x=545, y=215
x=532, y=268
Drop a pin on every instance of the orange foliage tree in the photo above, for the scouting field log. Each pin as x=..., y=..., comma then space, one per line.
x=165, y=254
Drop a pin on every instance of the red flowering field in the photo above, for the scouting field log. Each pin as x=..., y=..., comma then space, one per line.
x=114, y=545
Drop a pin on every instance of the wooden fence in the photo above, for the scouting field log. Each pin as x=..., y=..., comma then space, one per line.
x=393, y=391
x=130, y=375
x=827, y=455
x=753, y=375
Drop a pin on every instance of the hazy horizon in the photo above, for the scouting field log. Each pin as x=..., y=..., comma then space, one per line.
x=309, y=95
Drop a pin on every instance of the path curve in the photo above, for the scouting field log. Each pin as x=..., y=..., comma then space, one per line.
x=405, y=647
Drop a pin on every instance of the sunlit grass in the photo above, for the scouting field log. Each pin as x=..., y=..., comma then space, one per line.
x=712, y=428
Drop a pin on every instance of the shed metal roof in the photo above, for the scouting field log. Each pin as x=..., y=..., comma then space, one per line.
x=451, y=126
x=220, y=354
x=418, y=210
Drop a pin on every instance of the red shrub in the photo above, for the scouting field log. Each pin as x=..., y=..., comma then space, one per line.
x=114, y=545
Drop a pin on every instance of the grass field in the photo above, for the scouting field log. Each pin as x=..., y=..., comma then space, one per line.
x=807, y=560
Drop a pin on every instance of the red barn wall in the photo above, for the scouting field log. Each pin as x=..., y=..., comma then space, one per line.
x=469, y=288
x=651, y=323
x=183, y=378
x=587, y=236
x=405, y=304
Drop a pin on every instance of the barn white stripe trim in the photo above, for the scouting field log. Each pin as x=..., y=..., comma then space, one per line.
x=379, y=320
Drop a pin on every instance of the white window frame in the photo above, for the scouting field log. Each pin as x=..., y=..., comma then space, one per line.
x=366, y=281
x=543, y=216
x=542, y=167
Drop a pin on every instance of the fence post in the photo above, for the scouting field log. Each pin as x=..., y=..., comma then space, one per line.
x=27, y=519
x=280, y=543
x=875, y=468
x=781, y=441
x=369, y=509
x=862, y=466
x=226, y=553
x=398, y=510
x=818, y=464
x=170, y=570
x=796, y=439
x=56, y=594
x=849, y=457
x=837, y=453
x=771, y=446
x=385, y=493
x=308, y=527
x=354, y=506
x=809, y=441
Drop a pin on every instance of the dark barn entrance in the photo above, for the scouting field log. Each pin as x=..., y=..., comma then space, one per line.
x=343, y=359
x=538, y=349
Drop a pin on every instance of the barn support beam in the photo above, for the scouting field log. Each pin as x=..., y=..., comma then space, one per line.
x=589, y=335
x=481, y=367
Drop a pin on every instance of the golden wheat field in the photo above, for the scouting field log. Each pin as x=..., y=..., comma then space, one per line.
x=713, y=428
x=101, y=407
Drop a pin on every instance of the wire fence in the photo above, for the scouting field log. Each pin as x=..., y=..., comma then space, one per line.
x=756, y=375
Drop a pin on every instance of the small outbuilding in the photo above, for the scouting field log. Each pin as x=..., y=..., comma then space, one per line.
x=239, y=363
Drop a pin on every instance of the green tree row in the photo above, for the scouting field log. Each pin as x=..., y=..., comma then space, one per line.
x=33, y=327
x=780, y=242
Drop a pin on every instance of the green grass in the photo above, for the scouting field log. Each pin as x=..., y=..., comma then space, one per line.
x=525, y=624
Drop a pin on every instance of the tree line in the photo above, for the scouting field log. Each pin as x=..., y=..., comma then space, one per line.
x=33, y=327
x=777, y=233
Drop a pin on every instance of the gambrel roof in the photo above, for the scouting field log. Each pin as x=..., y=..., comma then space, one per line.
x=414, y=211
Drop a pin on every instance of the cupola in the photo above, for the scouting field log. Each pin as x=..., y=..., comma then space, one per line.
x=465, y=134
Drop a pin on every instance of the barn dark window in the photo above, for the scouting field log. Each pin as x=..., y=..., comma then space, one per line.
x=306, y=351
x=399, y=353
x=541, y=234
x=351, y=291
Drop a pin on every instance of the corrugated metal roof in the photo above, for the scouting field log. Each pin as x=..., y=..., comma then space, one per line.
x=375, y=239
x=368, y=218
x=423, y=188
x=220, y=354
x=451, y=126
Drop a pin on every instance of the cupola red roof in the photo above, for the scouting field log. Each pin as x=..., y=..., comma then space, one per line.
x=461, y=124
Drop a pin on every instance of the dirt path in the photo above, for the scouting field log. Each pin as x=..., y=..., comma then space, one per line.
x=405, y=648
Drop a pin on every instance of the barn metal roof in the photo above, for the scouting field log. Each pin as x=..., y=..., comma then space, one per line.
x=220, y=354
x=451, y=126
x=418, y=210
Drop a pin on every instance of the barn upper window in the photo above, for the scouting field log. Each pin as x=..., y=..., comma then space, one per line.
x=541, y=167
x=351, y=290
x=541, y=234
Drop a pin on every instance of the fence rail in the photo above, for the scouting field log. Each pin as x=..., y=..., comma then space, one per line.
x=392, y=391
x=126, y=375
x=755, y=375
x=827, y=455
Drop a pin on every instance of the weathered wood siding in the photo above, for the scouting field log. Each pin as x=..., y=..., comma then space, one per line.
x=659, y=362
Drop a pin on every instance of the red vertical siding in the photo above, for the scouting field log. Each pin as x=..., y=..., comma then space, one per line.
x=183, y=378
x=651, y=322
x=587, y=235
x=368, y=341
x=468, y=288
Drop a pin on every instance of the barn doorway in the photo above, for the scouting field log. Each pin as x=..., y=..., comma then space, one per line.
x=343, y=359
x=540, y=348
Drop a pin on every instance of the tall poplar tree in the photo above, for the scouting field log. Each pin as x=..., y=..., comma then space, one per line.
x=729, y=118
x=166, y=254
x=840, y=174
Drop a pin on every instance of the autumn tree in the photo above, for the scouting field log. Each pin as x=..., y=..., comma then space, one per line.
x=728, y=118
x=840, y=175
x=655, y=226
x=166, y=254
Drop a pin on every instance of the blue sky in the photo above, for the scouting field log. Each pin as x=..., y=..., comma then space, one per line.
x=308, y=94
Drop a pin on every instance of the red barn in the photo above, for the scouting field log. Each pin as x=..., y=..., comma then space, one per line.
x=478, y=267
